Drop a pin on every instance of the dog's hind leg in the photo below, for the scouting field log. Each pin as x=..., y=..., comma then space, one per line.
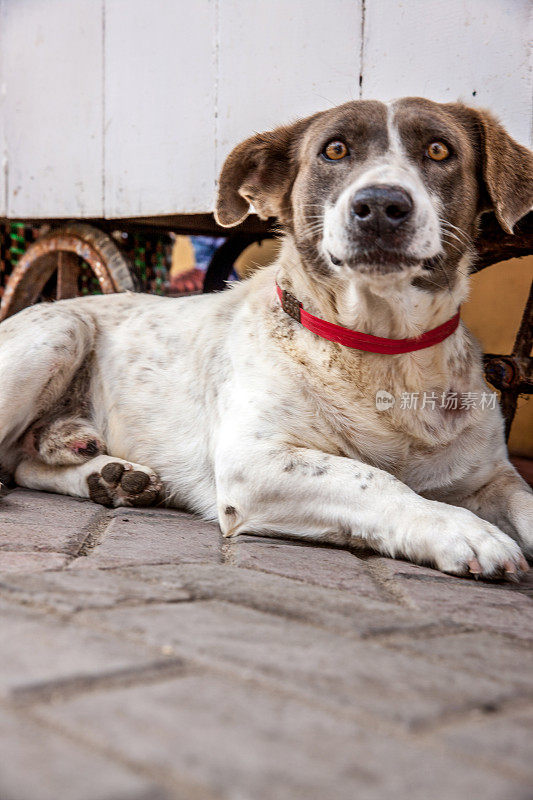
x=105, y=479
x=41, y=350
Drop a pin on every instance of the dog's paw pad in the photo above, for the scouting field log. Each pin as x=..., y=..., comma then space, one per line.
x=98, y=490
x=112, y=473
x=121, y=484
x=135, y=482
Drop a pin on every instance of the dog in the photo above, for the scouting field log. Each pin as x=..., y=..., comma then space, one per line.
x=238, y=407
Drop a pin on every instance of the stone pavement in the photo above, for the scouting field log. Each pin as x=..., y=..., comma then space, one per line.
x=143, y=657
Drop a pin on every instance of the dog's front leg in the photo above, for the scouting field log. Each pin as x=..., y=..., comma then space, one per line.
x=507, y=501
x=313, y=495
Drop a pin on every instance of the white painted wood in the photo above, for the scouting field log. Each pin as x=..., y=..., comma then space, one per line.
x=283, y=59
x=159, y=106
x=473, y=50
x=128, y=107
x=52, y=109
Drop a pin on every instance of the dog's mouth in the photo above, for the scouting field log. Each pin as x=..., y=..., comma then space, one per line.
x=379, y=261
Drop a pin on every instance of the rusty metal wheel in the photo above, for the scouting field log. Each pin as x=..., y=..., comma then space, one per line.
x=60, y=252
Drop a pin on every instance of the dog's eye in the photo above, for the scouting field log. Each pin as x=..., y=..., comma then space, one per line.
x=437, y=151
x=335, y=150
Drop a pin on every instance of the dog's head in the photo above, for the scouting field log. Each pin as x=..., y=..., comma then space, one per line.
x=370, y=189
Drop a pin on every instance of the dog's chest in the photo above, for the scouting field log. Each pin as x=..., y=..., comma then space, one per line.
x=373, y=413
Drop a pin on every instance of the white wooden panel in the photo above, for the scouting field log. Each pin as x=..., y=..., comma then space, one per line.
x=280, y=60
x=159, y=106
x=52, y=110
x=473, y=50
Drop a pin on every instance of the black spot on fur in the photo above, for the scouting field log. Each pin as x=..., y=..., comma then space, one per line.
x=230, y=511
x=319, y=470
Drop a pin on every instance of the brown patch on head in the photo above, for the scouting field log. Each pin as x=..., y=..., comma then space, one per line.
x=491, y=170
x=362, y=126
x=259, y=171
x=454, y=181
x=507, y=171
x=486, y=170
x=263, y=169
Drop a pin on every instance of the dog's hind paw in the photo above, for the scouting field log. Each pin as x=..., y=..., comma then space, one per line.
x=119, y=483
x=63, y=442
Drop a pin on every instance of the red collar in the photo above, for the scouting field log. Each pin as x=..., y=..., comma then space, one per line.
x=364, y=341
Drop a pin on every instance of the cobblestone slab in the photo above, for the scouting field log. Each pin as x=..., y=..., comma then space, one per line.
x=356, y=676
x=36, y=521
x=247, y=743
x=154, y=538
x=323, y=566
x=492, y=606
x=22, y=562
x=481, y=653
x=397, y=568
x=502, y=742
x=343, y=611
x=70, y=591
x=163, y=663
x=38, y=650
x=38, y=763
x=74, y=590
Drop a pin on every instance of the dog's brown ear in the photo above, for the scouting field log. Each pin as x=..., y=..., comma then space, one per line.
x=507, y=172
x=259, y=171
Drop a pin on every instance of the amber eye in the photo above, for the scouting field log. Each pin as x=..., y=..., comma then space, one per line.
x=335, y=150
x=437, y=151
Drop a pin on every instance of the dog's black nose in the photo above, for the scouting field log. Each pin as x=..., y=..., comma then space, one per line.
x=380, y=208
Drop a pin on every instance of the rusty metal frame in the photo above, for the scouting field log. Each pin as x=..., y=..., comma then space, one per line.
x=512, y=375
x=59, y=251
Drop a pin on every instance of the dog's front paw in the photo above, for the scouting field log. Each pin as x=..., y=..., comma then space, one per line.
x=521, y=517
x=119, y=483
x=463, y=544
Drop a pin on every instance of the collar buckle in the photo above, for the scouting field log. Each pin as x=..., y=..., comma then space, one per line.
x=291, y=305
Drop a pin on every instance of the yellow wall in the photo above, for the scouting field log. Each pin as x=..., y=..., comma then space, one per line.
x=493, y=314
